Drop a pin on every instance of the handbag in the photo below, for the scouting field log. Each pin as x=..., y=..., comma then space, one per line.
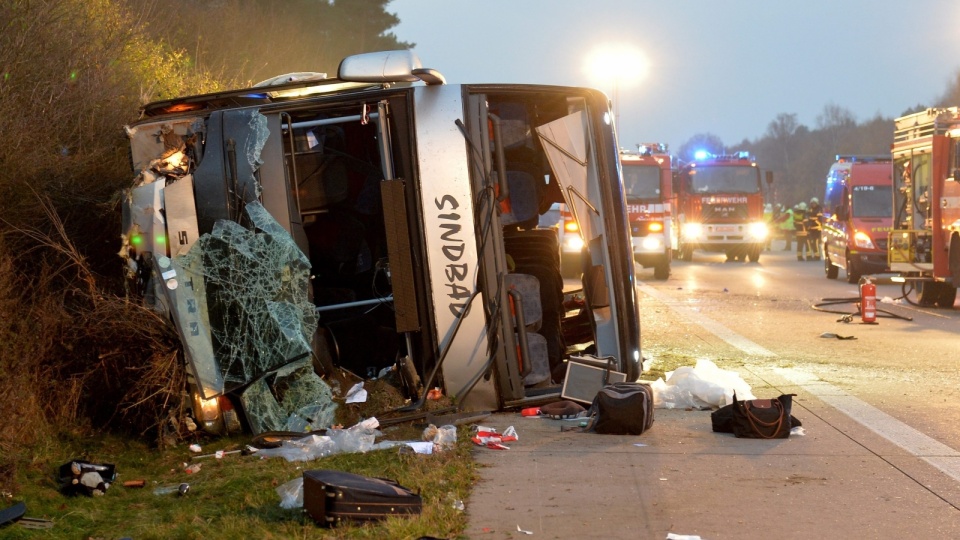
x=756, y=418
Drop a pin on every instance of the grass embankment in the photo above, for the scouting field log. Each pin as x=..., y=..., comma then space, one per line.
x=234, y=497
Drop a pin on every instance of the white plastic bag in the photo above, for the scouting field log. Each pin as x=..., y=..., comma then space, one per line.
x=704, y=385
x=291, y=494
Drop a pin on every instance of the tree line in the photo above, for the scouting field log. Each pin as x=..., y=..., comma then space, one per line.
x=800, y=156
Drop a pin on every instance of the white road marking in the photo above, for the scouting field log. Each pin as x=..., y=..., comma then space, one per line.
x=937, y=454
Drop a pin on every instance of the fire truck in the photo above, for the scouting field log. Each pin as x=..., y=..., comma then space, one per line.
x=720, y=206
x=924, y=246
x=378, y=221
x=857, y=213
x=648, y=184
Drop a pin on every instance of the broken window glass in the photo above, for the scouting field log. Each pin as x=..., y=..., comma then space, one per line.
x=252, y=286
x=292, y=398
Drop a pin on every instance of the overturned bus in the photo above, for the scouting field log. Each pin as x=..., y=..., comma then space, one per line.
x=379, y=219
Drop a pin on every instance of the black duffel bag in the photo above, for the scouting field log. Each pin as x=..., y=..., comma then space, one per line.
x=624, y=408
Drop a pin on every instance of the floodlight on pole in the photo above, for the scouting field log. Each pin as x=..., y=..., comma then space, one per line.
x=617, y=65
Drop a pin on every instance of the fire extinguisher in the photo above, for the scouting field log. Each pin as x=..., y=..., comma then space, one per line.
x=868, y=302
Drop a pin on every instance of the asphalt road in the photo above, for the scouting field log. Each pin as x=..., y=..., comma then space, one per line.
x=881, y=454
x=907, y=365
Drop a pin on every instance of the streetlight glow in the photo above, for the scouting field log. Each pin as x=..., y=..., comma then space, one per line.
x=617, y=64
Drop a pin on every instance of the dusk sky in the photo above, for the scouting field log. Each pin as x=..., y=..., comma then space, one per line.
x=721, y=67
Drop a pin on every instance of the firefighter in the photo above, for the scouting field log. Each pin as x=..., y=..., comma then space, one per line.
x=785, y=224
x=814, y=215
x=768, y=220
x=800, y=228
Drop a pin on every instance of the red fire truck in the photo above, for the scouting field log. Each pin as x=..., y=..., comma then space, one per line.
x=925, y=242
x=720, y=206
x=648, y=184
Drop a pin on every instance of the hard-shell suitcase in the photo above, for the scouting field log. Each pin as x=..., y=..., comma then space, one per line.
x=331, y=496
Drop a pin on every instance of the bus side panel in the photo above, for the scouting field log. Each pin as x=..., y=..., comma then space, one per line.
x=451, y=245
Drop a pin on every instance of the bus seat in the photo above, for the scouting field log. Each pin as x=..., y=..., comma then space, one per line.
x=522, y=205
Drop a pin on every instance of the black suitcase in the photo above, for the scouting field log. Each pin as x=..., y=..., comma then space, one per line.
x=331, y=496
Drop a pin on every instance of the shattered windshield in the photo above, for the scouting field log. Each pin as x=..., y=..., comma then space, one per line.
x=725, y=180
x=872, y=201
x=642, y=181
x=202, y=249
x=255, y=282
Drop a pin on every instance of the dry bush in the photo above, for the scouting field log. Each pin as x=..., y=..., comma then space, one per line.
x=75, y=358
x=131, y=368
x=71, y=353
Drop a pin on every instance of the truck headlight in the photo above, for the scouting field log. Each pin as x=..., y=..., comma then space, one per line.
x=651, y=243
x=573, y=242
x=862, y=240
x=758, y=230
x=692, y=230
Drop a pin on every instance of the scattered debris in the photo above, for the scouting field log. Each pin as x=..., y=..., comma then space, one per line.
x=356, y=394
x=443, y=437
x=219, y=454
x=180, y=489
x=488, y=436
x=80, y=476
x=357, y=438
x=291, y=494
x=563, y=410
x=35, y=523
x=838, y=336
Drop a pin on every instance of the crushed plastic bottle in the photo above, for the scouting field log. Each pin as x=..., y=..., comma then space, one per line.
x=180, y=489
x=445, y=438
